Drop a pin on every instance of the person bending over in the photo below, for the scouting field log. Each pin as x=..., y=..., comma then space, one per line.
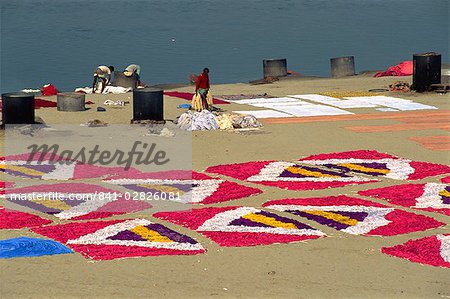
x=133, y=70
x=102, y=76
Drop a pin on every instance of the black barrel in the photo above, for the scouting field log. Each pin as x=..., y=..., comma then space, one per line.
x=119, y=79
x=342, y=66
x=18, y=108
x=275, y=67
x=70, y=101
x=148, y=104
x=426, y=70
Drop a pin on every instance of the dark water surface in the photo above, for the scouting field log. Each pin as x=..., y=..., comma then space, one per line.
x=62, y=41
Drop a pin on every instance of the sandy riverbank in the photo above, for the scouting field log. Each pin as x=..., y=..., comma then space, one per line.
x=339, y=266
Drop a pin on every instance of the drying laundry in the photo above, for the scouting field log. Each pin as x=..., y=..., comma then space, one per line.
x=234, y=97
x=108, y=89
x=188, y=96
x=268, y=113
x=404, y=68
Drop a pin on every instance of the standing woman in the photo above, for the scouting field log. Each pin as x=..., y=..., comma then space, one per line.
x=202, y=87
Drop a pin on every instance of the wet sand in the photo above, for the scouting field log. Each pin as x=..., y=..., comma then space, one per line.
x=339, y=266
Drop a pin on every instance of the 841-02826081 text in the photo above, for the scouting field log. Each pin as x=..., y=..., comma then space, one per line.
x=135, y=195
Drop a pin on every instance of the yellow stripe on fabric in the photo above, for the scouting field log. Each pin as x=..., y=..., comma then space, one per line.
x=444, y=193
x=53, y=204
x=162, y=188
x=363, y=168
x=269, y=221
x=345, y=94
x=334, y=216
x=149, y=234
x=301, y=171
x=23, y=169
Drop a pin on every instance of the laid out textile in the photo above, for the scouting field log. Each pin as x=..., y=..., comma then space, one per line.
x=242, y=226
x=108, y=89
x=74, y=201
x=311, y=110
x=431, y=197
x=31, y=90
x=288, y=175
x=38, y=103
x=188, y=96
x=24, y=165
x=107, y=240
x=433, y=250
x=186, y=186
x=267, y=113
x=258, y=101
x=404, y=68
x=355, y=216
x=375, y=164
x=234, y=97
x=335, y=101
x=393, y=102
x=11, y=219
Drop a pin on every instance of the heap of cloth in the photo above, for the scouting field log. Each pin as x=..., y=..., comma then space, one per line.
x=404, y=68
x=108, y=89
x=205, y=121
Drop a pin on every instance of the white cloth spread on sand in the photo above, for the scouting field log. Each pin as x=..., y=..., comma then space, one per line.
x=108, y=89
x=30, y=90
x=267, y=113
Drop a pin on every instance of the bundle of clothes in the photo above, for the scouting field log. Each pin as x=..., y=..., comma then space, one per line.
x=206, y=120
x=400, y=86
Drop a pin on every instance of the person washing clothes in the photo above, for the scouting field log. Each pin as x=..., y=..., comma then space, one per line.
x=133, y=70
x=102, y=76
x=202, y=87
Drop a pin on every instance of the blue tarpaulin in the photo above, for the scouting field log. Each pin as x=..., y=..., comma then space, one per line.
x=29, y=247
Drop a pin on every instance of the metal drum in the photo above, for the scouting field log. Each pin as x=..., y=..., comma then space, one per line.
x=274, y=67
x=426, y=70
x=148, y=104
x=71, y=101
x=18, y=108
x=342, y=66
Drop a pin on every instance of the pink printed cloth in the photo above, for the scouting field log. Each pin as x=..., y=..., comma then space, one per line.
x=404, y=68
x=188, y=96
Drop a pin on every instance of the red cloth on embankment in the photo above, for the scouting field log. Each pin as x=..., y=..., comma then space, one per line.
x=38, y=103
x=49, y=90
x=188, y=96
x=404, y=68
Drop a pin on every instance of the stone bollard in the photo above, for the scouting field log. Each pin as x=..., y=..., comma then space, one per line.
x=342, y=66
x=426, y=70
x=148, y=104
x=274, y=67
x=18, y=108
x=70, y=101
x=119, y=79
